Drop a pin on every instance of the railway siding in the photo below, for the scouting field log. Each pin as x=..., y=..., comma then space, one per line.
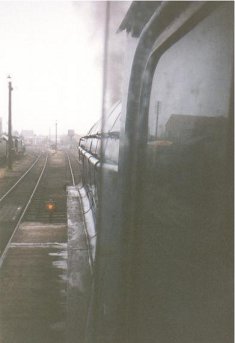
x=9, y=177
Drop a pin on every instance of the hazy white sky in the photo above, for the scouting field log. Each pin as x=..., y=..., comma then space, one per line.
x=53, y=53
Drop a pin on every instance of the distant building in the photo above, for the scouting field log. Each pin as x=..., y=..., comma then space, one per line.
x=15, y=133
x=27, y=133
x=71, y=133
x=29, y=136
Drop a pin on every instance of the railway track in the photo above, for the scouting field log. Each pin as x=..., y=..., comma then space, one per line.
x=9, y=177
x=27, y=201
x=74, y=165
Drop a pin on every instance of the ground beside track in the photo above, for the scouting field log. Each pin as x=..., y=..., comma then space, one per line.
x=33, y=283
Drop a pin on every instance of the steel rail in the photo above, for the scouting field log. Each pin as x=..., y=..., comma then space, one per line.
x=20, y=179
x=23, y=213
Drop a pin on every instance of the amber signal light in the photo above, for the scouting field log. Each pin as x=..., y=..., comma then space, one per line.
x=50, y=206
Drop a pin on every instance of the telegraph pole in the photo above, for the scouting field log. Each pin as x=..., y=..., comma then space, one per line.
x=10, y=89
x=49, y=137
x=56, y=135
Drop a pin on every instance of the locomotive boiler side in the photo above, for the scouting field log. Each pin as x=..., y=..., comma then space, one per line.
x=99, y=150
